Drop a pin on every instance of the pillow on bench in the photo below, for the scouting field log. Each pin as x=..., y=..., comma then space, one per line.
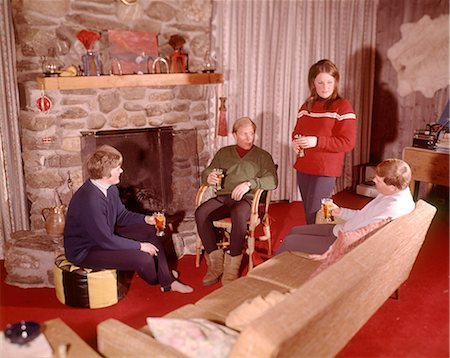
x=346, y=241
x=198, y=337
x=195, y=337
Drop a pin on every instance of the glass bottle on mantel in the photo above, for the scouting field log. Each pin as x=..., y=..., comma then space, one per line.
x=209, y=64
x=51, y=64
x=91, y=63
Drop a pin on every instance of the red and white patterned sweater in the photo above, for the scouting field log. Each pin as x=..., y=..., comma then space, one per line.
x=335, y=129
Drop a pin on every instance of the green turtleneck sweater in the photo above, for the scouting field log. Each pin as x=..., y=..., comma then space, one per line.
x=256, y=167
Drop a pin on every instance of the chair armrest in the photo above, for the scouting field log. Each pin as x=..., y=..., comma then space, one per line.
x=199, y=196
x=116, y=339
x=254, y=211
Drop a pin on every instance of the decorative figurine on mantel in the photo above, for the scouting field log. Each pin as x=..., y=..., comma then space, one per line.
x=90, y=61
x=179, y=59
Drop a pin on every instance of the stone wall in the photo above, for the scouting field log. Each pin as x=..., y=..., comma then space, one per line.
x=51, y=141
x=30, y=257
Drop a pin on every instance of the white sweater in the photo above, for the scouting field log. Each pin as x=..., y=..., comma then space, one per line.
x=380, y=208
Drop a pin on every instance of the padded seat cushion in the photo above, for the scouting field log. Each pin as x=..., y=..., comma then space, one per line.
x=87, y=288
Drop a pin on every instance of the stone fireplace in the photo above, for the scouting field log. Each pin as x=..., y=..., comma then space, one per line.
x=52, y=141
x=53, y=144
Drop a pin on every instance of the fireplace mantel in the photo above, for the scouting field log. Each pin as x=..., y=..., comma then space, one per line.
x=152, y=80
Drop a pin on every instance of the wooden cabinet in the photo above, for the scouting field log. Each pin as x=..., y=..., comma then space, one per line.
x=427, y=165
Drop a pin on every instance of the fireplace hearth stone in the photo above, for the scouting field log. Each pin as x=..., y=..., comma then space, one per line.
x=30, y=258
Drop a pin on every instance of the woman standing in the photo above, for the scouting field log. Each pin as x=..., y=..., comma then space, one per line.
x=100, y=233
x=324, y=132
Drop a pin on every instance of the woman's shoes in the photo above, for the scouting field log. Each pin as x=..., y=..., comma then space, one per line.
x=177, y=286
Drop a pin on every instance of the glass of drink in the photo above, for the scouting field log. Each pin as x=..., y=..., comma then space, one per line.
x=300, y=150
x=219, y=174
x=160, y=223
x=327, y=206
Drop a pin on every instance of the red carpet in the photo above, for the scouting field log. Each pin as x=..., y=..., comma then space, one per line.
x=416, y=325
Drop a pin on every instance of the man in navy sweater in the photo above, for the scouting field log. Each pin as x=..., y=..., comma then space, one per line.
x=100, y=233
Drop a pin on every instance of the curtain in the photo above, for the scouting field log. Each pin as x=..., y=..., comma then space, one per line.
x=13, y=207
x=265, y=49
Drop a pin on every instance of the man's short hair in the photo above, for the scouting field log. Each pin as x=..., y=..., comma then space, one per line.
x=243, y=121
x=394, y=172
x=102, y=161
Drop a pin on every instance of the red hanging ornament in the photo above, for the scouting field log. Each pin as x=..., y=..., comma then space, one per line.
x=43, y=103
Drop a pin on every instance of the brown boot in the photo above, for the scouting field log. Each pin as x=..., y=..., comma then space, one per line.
x=231, y=268
x=214, y=260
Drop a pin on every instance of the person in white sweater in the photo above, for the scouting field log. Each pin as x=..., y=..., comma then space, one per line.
x=394, y=199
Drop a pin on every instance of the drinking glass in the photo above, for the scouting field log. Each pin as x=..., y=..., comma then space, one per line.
x=219, y=174
x=160, y=223
x=300, y=151
x=327, y=206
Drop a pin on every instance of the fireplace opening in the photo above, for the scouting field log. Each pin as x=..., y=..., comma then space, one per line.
x=161, y=167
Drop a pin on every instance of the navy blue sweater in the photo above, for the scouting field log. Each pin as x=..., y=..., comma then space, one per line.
x=91, y=220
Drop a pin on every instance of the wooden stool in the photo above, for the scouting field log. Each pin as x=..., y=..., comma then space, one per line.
x=87, y=288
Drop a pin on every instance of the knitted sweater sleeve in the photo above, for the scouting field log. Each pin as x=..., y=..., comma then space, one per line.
x=215, y=163
x=102, y=231
x=124, y=216
x=257, y=167
x=90, y=222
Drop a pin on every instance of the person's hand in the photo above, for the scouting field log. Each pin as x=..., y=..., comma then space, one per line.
x=296, y=145
x=307, y=142
x=212, y=178
x=240, y=190
x=149, y=248
x=335, y=210
x=150, y=220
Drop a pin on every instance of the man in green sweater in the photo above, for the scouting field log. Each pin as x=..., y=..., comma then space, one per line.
x=246, y=168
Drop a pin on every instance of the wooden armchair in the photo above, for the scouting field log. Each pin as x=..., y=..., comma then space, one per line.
x=259, y=214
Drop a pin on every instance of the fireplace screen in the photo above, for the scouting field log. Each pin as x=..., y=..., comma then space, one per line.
x=161, y=170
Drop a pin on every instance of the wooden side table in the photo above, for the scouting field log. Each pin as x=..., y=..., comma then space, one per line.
x=65, y=342
x=428, y=166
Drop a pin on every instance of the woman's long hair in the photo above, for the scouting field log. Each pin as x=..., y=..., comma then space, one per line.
x=322, y=66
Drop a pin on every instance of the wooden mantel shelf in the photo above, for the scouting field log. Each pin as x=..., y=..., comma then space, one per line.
x=153, y=80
